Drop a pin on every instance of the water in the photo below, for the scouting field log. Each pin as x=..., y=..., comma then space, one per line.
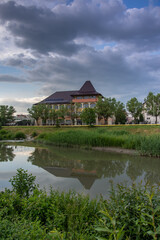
x=88, y=172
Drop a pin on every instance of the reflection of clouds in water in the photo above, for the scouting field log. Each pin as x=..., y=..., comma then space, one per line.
x=23, y=151
x=86, y=172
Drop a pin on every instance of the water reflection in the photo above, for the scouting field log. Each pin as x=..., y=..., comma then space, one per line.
x=6, y=153
x=82, y=170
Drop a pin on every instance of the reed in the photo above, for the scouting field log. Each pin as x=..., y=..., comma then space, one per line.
x=145, y=145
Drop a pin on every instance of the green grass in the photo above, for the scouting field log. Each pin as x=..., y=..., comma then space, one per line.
x=143, y=138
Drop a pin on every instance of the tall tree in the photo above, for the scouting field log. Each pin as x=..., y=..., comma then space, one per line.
x=62, y=112
x=73, y=111
x=36, y=112
x=45, y=113
x=88, y=116
x=105, y=107
x=135, y=108
x=6, y=114
x=152, y=103
x=53, y=115
x=120, y=113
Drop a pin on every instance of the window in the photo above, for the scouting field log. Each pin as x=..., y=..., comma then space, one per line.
x=85, y=105
x=92, y=105
x=79, y=97
x=55, y=106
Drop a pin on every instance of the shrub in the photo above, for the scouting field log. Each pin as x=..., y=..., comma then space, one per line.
x=23, y=183
x=34, y=134
x=19, y=135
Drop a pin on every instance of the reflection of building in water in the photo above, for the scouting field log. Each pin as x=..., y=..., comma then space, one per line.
x=85, y=177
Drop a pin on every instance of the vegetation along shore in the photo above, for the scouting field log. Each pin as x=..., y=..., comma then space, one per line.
x=144, y=139
x=29, y=213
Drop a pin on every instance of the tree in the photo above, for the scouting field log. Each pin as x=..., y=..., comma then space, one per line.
x=36, y=111
x=88, y=116
x=72, y=111
x=120, y=113
x=45, y=113
x=135, y=108
x=62, y=112
x=105, y=107
x=152, y=103
x=53, y=115
x=6, y=114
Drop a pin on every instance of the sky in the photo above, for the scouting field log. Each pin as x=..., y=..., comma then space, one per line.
x=57, y=45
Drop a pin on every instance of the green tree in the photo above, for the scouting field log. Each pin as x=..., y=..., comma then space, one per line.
x=105, y=107
x=53, y=115
x=152, y=103
x=6, y=114
x=45, y=113
x=62, y=112
x=120, y=113
x=135, y=108
x=36, y=112
x=73, y=111
x=88, y=116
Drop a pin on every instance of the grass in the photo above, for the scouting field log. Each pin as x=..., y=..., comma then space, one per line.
x=143, y=138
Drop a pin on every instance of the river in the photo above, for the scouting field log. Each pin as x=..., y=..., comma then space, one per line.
x=85, y=171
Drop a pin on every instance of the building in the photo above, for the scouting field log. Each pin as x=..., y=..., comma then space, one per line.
x=86, y=97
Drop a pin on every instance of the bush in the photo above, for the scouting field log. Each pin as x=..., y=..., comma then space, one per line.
x=19, y=135
x=34, y=134
x=23, y=183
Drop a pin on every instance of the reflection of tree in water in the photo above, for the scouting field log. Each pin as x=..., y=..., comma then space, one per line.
x=100, y=164
x=103, y=164
x=134, y=168
x=6, y=153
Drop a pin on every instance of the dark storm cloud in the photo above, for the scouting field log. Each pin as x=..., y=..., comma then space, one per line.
x=11, y=79
x=19, y=60
x=56, y=30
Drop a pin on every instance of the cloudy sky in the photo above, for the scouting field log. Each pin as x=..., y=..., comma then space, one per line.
x=56, y=45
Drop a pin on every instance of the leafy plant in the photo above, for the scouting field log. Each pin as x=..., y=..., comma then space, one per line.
x=23, y=183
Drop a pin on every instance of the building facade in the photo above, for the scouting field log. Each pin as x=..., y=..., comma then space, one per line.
x=86, y=97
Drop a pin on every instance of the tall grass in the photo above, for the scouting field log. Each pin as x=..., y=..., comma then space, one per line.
x=145, y=145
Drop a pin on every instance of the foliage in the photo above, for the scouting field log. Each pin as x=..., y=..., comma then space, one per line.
x=73, y=110
x=23, y=183
x=131, y=213
x=53, y=115
x=19, y=135
x=135, y=108
x=152, y=103
x=62, y=112
x=88, y=116
x=101, y=137
x=45, y=113
x=34, y=134
x=36, y=111
x=120, y=113
x=105, y=107
x=6, y=135
x=6, y=114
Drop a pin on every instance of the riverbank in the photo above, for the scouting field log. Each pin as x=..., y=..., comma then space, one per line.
x=30, y=213
x=142, y=139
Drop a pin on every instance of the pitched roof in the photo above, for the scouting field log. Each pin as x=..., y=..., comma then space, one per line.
x=59, y=97
x=65, y=97
x=87, y=89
